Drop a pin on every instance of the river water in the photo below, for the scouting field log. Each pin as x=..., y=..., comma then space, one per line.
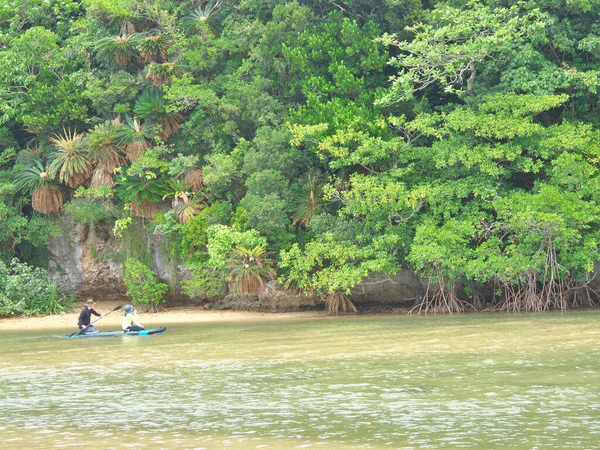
x=364, y=382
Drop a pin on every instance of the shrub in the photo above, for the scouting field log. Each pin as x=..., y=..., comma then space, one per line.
x=26, y=290
x=141, y=285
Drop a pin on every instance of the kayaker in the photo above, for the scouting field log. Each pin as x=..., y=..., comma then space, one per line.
x=129, y=321
x=85, y=316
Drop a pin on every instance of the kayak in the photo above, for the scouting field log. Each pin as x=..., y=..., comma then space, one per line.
x=121, y=333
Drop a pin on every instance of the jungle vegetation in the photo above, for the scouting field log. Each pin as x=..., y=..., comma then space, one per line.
x=315, y=142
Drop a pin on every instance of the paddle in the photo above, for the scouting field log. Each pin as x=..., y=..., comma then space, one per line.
x=104, y=315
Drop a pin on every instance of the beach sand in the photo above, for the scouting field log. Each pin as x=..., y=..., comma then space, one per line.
x=181, y=314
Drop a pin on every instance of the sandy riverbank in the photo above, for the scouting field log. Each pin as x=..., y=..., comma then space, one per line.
x=184, y=314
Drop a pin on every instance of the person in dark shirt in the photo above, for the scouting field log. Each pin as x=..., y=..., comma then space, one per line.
x=85, y=316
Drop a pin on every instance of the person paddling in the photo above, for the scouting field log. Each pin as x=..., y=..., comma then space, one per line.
x=129, y=321
x=85, y=316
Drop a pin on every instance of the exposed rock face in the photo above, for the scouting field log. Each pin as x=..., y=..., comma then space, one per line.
x=403, y=288
x=76, y=266
x=278, y=301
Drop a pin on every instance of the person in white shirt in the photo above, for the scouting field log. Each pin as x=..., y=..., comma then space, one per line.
x=129, y=321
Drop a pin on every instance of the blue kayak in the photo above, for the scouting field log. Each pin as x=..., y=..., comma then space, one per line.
x=121, y=333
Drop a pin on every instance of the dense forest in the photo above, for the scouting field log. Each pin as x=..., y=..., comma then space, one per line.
x=313, y=142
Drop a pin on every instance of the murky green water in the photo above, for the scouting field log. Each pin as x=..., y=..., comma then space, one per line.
x=485, y=382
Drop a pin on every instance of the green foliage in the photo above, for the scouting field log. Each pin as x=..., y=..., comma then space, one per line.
x=69, y=160
x=466, y=150
x=249, y=269
x=152, y=105
x=26, y=290
x=92, y=211
x=209, y=277
x=143, y=190
x=221, y=174
x=119, y=48
x=105, y=94
x=142, y=287
x=337, y=57
x=448, y=48
x=202, y=18
x=23, y=14
x=135, y=137
x=330, y=266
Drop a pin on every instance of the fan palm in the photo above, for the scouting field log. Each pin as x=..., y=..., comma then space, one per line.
x=152, y=105
x=135, y=137
x=249, y=269
x=154, y=47
x=120, y=48
x=69, y=159
x=203, y=17
x=35, y=179
x=143, y=191
x=307, y=201
x=103, y=149
x=163, y=72
x=185, y=205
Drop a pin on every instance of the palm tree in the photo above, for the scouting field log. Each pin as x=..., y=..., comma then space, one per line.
x=104, y=151
x=69, y=159
x=201, y=18
x=120, y=48
x=135, y=136
x=152, y=105
x=185, y=205
x=307, y=201
x=249, y=269
x=163, y=72
x=143, y=191
x=35, y=179
x=154, y=47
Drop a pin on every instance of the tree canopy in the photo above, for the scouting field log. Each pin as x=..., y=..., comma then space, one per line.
x=335, y=140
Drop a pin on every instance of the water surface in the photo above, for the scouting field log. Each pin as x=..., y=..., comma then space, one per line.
x=364, y=382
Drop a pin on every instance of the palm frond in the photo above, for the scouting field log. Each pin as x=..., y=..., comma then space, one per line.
x=35, y=179
x=120, y=48
x=307, y=201
x=69, y=159
x=162, y=73
x=100, y=177
x=202, y=18
x=187, y=208
x=143, y=192
x=249, y=269
x=135, y=136
x=154, y=47
x=47, y=199
x=152, y=105
x=103, y=147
